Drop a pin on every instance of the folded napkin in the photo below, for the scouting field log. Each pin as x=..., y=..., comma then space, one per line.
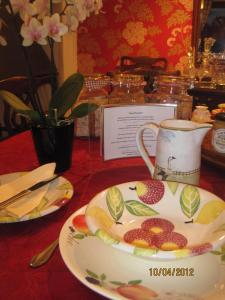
x=29, y=202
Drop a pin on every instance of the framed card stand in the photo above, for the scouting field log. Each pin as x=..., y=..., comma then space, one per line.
x=119, y=124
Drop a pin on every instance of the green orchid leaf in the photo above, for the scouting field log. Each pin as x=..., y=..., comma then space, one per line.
x=189, y=200
x=83, y=110
x=13, y=101
x=139, y=209
x=115, y=202
x=33, y=115
x=66, y=95
x=19, y=106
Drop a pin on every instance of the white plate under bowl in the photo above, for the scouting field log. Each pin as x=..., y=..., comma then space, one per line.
x=158, y=219
x=59, y=193
x=118, y=275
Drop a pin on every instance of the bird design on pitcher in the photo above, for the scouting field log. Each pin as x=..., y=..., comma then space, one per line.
x=168, y=170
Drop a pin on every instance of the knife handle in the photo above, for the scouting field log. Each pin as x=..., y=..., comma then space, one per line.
x=42, y=183
x=14, y=198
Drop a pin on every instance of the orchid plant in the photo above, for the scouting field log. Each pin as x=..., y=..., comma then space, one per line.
x=45, y=22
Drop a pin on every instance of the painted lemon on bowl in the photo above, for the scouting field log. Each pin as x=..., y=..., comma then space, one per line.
x=158, y=220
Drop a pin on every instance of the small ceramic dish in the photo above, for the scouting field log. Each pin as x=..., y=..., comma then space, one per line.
x=59, y=193
x=158, y=220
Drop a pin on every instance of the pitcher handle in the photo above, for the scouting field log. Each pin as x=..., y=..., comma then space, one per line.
x=140, y=144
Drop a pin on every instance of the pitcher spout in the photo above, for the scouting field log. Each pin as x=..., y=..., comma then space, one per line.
x=200, y=132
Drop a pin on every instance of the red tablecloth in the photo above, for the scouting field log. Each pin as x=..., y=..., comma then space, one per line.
x=20, y=241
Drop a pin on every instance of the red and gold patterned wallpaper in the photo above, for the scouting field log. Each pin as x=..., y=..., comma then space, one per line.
x=155, y=28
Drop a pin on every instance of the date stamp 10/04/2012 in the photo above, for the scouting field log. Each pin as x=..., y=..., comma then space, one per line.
x=184, y=272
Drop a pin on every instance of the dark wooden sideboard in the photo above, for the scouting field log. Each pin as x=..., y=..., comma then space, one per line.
x=207, y=96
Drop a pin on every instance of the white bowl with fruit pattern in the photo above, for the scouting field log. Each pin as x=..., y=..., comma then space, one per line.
x=158, y=219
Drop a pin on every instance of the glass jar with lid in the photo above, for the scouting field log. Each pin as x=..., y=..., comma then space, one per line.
x=173, y=89
x=201, y=114
x=127, y=88
x=95, y=90
x=218, y=63
x=218, y=136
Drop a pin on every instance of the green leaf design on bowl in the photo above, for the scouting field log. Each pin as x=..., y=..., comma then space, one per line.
x=182, y=253
x=135, y=282
x=92, y=274
x=220, y=252
x=8, y=219
x=221, y=228
x=139, y=209
x=119, y=283
x=115, y=202
x=144, y=251
x=189, y=200
x=79, y=236
x=103, y=277
x=64, y=186
x=34, y=214
x=210, y=211
x=173, y=186
x=42, y=204
x=104, y=236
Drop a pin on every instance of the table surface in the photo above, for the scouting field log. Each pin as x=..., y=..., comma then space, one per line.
x=89, y=175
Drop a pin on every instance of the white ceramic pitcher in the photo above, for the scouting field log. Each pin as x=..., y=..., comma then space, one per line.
x=178, y=150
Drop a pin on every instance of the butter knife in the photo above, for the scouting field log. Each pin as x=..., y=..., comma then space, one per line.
x=42, y=257
x=26, y=192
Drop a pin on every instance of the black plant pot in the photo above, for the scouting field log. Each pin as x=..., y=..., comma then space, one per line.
x=54, y=144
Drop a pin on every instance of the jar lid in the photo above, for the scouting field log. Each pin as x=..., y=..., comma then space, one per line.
x=172, y=81
x=202, y=107
x=122, y=79
x=220, y=116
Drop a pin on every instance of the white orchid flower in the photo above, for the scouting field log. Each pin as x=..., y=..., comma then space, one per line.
x=98, y=5
x=34, y=32
x=82, y=12
x=55, y=28
x=42, y=8
x=23, y=7
x=71, y=19
x=89, y=6
x=2, y=41
x=78, y=11
x=93, y=6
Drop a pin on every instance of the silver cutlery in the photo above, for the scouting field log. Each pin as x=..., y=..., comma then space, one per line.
x=42, y=257
x=26, y=192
